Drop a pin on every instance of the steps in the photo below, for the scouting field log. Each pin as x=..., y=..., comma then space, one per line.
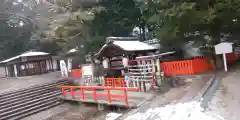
x=21, y=103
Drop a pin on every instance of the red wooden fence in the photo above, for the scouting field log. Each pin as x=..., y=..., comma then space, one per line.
x=114, y=82
x=185, y=67
x=95, y=94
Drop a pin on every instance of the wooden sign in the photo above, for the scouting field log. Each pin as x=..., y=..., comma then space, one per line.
x=223, y=48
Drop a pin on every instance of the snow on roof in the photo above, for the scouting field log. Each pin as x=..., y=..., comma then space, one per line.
x=156, y=56
x=133, y=45
x=26, y=54
x=72, y=50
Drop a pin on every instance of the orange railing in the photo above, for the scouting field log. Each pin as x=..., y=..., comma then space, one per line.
x=71, y=90
x=185, y=67
x=114, y=82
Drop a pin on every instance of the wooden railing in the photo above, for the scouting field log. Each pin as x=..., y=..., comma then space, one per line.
x=72, y=91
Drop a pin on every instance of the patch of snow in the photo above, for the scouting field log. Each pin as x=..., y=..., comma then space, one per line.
x=181, y=111
x=33, y=54
x=113, y=116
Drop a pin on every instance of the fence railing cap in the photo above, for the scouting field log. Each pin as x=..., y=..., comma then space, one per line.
x=101, y=87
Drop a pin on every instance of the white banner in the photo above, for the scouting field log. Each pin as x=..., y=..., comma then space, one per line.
x=63, y=68
x=69, y=65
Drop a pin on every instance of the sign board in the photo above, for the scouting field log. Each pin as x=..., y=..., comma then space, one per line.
x=87, y=70
x=223, y=48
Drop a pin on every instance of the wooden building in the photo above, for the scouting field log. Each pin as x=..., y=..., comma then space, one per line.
x=28, y=64
x=116, y=50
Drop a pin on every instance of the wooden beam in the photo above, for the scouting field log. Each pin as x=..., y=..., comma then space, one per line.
x=25, y=65
x=52, y=64
x=6, y=74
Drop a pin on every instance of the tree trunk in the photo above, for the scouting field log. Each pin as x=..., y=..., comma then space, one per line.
x=144, y=33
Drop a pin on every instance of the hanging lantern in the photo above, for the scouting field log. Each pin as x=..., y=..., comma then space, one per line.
x=125, y=62
x=105, y=63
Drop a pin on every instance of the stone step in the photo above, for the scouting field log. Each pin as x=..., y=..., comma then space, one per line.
x=20, y=92
x=14, y=102
x=24, y=94
x=32, y=110
x=16, y=105
x=27, y=104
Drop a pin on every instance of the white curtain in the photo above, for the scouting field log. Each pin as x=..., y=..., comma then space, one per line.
x=63, y=68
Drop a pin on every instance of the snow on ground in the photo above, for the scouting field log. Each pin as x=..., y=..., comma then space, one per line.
x=113, y=116
x=181, y=111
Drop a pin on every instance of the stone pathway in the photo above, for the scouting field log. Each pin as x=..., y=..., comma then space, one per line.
x=226, y=100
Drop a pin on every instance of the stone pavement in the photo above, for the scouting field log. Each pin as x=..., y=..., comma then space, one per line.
x=15, y=83
x=226, y=100
x=175, y=95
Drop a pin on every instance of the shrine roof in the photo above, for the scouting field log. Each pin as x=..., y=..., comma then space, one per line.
x=26, y=54
x=117, y=47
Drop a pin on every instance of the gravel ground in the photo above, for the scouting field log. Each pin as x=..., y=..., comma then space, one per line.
x=226, y=100
x=75, y=112
x=50, y=112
